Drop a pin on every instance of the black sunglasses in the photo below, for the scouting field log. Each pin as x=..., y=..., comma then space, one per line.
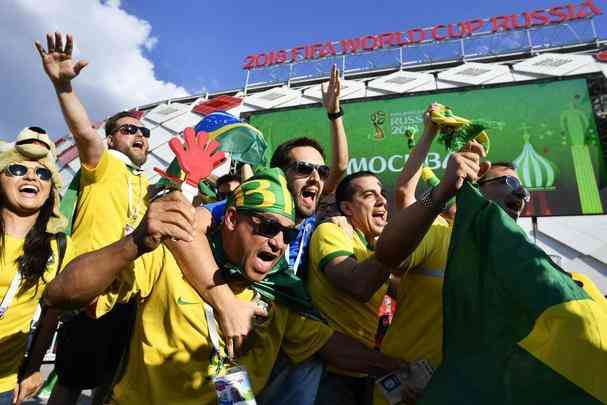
x=306, y=169
x=19, y=170
x=513, y=183
x=130, y=129
x=270, y=228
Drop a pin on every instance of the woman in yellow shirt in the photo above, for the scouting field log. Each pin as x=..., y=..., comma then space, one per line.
x=30, y=221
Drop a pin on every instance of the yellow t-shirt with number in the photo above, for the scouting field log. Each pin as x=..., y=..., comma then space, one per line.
x=342, y=311
x=416, y=332
x=111, y=197
x=15, y=324
x=170, y=350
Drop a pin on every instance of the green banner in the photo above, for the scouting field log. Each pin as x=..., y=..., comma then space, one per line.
x=546, y=128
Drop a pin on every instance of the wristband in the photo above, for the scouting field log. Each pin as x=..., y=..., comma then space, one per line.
x=334, y=116
x=428, y=201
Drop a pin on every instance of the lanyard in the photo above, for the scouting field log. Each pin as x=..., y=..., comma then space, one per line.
x=214, y=336
x=301, y=247
x=10, y=294
x=132, y=211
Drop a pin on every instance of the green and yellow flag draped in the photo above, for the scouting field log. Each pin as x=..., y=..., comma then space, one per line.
x=517, y=328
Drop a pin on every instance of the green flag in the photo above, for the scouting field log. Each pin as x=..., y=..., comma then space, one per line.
x=517, y=328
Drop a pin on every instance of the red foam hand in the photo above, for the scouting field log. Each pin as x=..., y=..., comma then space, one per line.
x=197, y=158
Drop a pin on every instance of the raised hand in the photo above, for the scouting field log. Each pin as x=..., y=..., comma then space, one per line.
x=430, y=128
x=197, y=158
x=57, y=59
x=330, y=92
x=461, y=166
x=170, y=216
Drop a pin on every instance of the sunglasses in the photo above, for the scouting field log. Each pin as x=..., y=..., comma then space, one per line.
x=19, y=170
x=513, y=183
x=270, y=228
x=130, y=129
x=306, y=169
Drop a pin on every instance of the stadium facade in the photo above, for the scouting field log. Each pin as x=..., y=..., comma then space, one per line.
x=551, y=45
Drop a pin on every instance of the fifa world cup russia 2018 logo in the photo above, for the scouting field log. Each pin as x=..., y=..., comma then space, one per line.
x=378, y=118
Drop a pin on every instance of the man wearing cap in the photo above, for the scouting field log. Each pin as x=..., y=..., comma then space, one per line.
x=106, y=201
x=175, y=351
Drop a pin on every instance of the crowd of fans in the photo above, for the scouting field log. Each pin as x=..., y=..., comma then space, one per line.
x=269, y=294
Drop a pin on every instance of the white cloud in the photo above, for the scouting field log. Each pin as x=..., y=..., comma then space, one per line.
x=119, y=75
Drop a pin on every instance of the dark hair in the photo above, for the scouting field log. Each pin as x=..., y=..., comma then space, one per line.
x=37, y=246
x=345, y=191
x=280, y=157
x=509, y=165
x=506, y=164
x=111, y=124
x=226, y=178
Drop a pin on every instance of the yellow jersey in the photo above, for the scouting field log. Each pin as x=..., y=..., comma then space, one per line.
x=416, y=332
x=170, y=350
x=342, y=311
x=112, y=198
x=15, y=324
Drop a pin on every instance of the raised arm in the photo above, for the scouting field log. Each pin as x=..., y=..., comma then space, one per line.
x=360, y=280
x=61, y=69
x=409, y=176
x=339, y=142
x=408, y=227
x=197, y=264
x=89, y=275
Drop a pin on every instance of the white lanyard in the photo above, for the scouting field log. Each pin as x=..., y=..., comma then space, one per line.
x=10, y=294
x=301, y=248
x=137, y=171
x=212, y=326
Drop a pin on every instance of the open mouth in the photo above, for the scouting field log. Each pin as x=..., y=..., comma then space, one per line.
x=266, y=256
x=379, y=215
x=265, y=262
x=309, y=195
x=29, y=190
x=139, y=144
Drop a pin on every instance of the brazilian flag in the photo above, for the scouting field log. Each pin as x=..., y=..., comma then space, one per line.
x=517, y=328
x=242, y=141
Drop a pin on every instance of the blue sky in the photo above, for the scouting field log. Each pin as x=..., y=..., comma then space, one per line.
x=203, y=44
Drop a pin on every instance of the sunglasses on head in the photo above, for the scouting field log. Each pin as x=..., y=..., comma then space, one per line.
x=19, y=170
x=270, y=228
x=130, y=129
x=306, y=169
x=513, y=183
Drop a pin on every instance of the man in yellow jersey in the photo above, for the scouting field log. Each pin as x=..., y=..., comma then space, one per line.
x=176, y=352
x=109, y=199
x=346, y=283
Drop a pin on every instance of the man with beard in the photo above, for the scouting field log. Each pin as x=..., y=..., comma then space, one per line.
x=111, y=201
x=346, y=283
x=175, y=352
x=308, y=177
